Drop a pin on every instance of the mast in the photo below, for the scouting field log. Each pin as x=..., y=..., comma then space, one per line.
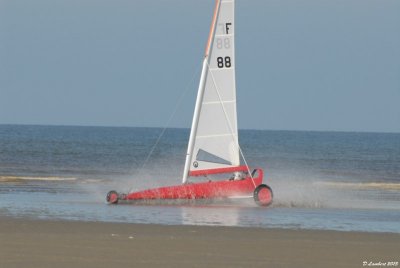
x=200, y=95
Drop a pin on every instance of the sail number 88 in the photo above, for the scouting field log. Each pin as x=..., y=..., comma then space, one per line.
x=224, y=62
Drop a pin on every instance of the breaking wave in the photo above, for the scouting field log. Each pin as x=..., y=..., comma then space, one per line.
x=32, y=178
x=361, y=185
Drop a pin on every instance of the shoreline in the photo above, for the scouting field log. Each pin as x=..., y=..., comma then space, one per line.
x=26, y=242
x=299, y=229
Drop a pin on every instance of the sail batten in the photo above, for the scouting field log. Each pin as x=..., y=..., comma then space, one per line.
x=216, y=69
x=217, y=102
x=213, y=136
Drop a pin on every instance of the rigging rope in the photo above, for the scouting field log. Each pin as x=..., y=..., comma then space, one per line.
x=177, y=105
x=230, y=126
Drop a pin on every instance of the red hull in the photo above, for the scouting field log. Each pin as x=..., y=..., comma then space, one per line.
x=211, y=189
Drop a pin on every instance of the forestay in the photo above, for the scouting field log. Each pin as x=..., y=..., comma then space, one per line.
x=213, y=143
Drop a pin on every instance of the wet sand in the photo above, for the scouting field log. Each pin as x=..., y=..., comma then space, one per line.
x=35, y=243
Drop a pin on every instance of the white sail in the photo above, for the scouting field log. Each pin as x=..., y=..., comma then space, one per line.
x=213, y=142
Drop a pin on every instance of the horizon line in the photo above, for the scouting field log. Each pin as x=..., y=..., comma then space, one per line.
x=188, y=128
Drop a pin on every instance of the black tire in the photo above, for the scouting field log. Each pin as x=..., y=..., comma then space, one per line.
x=259, y=199
x=112, y=197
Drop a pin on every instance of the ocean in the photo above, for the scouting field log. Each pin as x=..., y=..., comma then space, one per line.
x=321, y=180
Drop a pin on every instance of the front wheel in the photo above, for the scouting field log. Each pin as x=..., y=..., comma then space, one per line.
x=112, y=197
x=263, y=195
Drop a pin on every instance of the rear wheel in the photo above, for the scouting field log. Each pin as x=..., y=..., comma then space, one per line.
x=263, y=195
x=112, y=197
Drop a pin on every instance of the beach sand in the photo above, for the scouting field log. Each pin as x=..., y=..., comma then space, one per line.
x=58, y=244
